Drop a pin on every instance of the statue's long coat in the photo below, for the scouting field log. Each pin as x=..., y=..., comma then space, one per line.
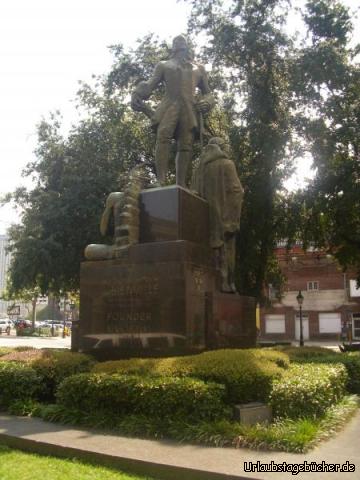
x=181, y=79
x=217, y=181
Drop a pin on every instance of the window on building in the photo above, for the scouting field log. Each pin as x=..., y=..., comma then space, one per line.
x=354, y=290
x=274, y=323
x=313, y=285
x=356, y=325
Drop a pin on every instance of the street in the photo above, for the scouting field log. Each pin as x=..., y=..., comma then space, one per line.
x=36, y=342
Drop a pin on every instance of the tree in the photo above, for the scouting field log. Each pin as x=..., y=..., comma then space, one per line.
x=247, y=40
x=74, y=175
x=291, y=97
x=327, y=78
x=277, y=98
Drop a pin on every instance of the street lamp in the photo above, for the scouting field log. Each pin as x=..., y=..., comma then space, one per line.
x=300, y=300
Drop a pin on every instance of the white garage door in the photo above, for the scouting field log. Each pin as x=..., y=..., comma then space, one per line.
x=274, y=323
x=329, y=323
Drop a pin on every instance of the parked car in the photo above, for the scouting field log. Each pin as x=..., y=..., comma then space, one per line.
x=52, y=323
x=5, y=323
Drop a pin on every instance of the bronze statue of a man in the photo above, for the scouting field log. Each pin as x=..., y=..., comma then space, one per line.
x=217, y=181
x=179, y=114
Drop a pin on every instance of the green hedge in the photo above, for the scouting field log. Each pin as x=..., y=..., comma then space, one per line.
x=351, y=360
x=54, y=366
x=247, y=374
x=161, y=397
x=18, y=382
x=308, y=390
x=306, y=353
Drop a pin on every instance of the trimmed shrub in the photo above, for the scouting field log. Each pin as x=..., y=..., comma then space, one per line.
x=161, y=397
x=54, y=366
x=305, y=353
x=247, y=374
x=18, y=382
x=307, y=390
x=351, y=360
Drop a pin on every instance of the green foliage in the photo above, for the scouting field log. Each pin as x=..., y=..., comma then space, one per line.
x=20, y=465
x=162, y=397
x=248, y=46
x=307, y=353
x=350, y=360
x=18, y=382
x=24, y=408
x=62, y=213
x=328, y=20
x=326, y=75
x=291, y=435
x=278, y=98
x=54, y=366
x=308, y=390
x=247, y=374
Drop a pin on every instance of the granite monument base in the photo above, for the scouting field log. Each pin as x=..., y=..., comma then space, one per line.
x=160, y=296
x=160, y=299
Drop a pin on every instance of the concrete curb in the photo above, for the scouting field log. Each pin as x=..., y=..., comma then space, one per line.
x=160, y=471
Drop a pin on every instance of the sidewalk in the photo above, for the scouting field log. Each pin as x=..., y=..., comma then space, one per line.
x=36, y=342
x=172, y=461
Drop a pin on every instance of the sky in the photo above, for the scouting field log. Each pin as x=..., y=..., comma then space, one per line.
x=47, y=47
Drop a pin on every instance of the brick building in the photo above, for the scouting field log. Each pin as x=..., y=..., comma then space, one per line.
x=331, y=307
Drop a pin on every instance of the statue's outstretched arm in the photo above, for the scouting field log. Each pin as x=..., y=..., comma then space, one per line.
x=143, y=90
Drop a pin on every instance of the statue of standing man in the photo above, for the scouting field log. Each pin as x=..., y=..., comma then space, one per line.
x=179, y=115
x=217, y=181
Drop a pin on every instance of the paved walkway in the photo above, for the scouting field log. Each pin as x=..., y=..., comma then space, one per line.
x=172, y=461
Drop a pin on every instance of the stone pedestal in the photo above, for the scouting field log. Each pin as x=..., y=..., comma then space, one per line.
x=173, y=213
x=160, y=297
x=152, y=299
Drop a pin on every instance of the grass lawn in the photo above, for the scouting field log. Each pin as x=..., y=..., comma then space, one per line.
x=15, y=465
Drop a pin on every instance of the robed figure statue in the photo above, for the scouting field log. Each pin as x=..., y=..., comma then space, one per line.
x=217, y=181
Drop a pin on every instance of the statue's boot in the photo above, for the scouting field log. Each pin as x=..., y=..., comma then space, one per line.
x=162, y=154
x=183, y=158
